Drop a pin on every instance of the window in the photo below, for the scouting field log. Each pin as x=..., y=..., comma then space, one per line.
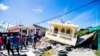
x=68, y=31
x=55, y=30
x=63, y=30
x=24, y=31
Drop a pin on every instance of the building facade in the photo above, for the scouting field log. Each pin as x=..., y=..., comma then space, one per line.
x=40, y=29
x=22, y=29
x=62, y=32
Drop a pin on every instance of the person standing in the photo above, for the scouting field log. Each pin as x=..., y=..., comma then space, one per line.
x=1, y=42
x=23, y=42
x=8, y=46
x=30, y=39
x=27, y=40
x=36, y=39
x=20, y=41
x=4, y=41
x=15, y=42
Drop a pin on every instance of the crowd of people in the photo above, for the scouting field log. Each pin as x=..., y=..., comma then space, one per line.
x=18, y=42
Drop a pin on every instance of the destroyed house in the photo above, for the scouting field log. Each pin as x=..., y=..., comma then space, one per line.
x=64, y=33
x=90, y=39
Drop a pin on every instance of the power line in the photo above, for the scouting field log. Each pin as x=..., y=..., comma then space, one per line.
x=68, y=12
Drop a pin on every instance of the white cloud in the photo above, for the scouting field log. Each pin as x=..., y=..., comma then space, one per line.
x=37, y=10
x=3, y=7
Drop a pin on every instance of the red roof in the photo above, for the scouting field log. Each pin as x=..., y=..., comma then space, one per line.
x=14, y=29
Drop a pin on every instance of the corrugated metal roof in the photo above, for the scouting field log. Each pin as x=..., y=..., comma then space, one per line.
x=94, y=28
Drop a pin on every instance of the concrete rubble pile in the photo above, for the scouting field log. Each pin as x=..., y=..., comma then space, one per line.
x=59, y=49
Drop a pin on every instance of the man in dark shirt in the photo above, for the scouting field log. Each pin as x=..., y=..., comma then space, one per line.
x=36, y=36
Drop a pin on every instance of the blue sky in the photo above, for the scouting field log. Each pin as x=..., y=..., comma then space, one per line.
x=29, y=12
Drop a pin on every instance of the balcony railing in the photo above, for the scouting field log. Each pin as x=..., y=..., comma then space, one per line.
x=59, y=35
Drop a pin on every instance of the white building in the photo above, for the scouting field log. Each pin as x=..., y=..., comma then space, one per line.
x=62, y=32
